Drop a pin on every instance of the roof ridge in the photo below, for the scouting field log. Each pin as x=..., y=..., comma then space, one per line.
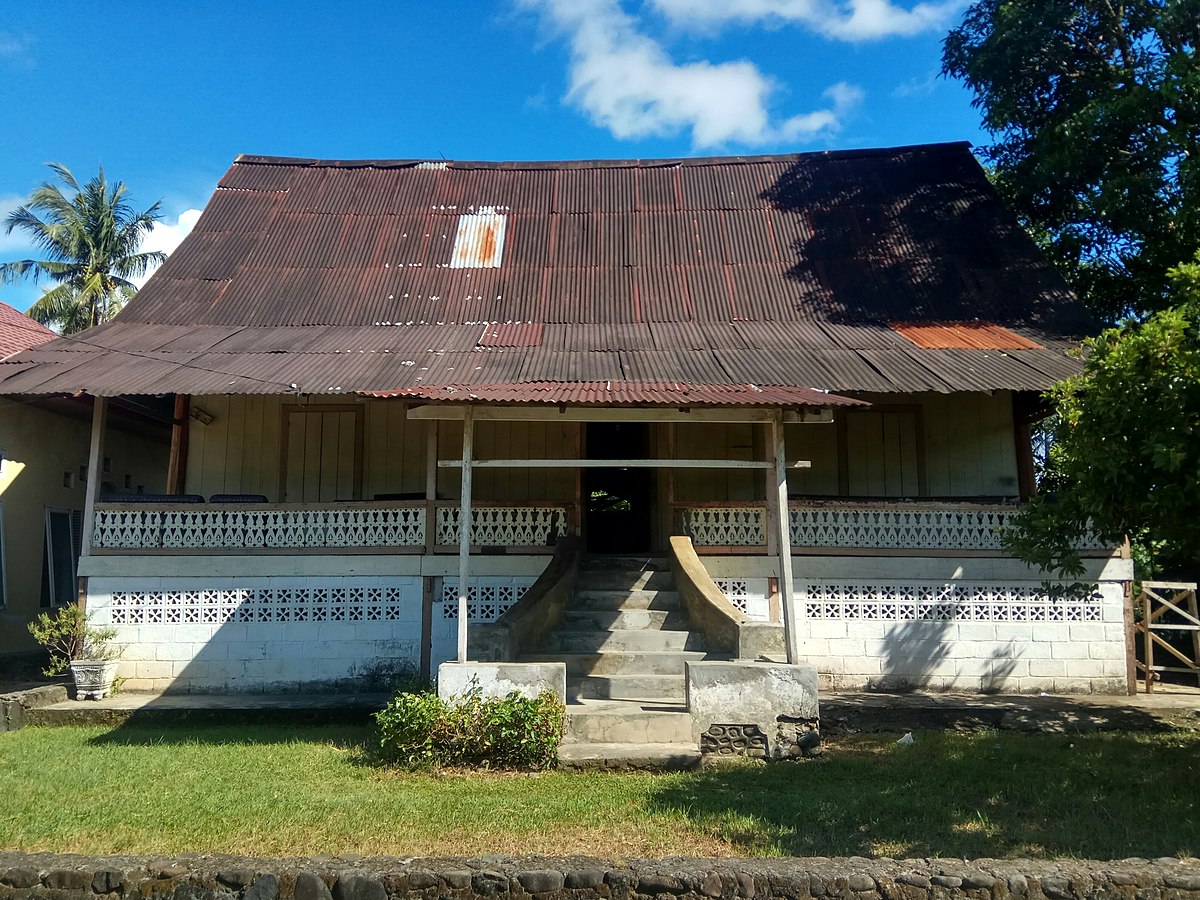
x=311, y=162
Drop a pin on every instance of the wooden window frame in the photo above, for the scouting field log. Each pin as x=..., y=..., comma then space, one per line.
x=843, y=448
x=74, y=526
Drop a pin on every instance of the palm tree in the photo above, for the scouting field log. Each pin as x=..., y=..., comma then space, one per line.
x=91, y=241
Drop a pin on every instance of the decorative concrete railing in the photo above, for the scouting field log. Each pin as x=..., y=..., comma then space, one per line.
x=396, y=527
x=842, y=525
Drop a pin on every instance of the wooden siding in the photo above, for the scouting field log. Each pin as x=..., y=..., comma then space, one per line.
x=513, y=440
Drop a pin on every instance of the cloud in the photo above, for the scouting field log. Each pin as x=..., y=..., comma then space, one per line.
x=917, y=87
x=16, y=240
x=844, y=20
x=626, y=82
x=14, y=46
x=166, y=236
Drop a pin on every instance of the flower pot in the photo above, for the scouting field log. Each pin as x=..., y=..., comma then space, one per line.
x=93, y=678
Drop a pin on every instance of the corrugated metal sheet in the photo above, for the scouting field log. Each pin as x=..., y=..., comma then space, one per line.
x=779, y=269
x=19, y=332
x=962, y=336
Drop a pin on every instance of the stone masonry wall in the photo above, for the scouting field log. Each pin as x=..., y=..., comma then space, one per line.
x=53, y=877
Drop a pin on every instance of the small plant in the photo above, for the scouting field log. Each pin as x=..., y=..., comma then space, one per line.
x=68, y=636
x=420, y=730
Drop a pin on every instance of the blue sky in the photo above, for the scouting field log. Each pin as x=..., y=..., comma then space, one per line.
x=165, y=95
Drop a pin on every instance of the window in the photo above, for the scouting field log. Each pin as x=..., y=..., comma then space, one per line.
x=883, y=453
x=322, y=453
x=64, y=536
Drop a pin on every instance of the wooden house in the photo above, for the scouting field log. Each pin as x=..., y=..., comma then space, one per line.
x=820, y=369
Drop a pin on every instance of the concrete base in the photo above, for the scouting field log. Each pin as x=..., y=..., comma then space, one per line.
x=753, y=708
x=501, y=679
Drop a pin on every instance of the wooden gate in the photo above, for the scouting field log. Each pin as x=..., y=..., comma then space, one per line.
x=1168, y=606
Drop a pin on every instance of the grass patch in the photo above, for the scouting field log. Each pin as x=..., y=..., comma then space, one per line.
x=309, y=790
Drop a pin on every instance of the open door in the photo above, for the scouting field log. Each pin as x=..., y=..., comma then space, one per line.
x=619, y=502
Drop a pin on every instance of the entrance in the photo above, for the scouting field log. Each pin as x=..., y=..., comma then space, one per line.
x=618, y=502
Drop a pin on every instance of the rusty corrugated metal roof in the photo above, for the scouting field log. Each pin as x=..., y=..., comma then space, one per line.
x=963, y=336
x=335, y=275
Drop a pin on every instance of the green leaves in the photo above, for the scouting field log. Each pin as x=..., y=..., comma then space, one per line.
x=91, y=240
x=1094, y=109
x=67, y=635
x=421, y=730
x=1125, y=441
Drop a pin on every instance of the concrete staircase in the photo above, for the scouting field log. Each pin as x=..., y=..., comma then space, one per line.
x=625, y=639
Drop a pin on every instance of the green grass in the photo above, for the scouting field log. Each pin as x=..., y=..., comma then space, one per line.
x=309, y=790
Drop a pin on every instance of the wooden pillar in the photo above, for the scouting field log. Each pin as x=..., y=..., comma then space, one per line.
x=772, y=495
x=177, y=464
x=464, y=530
x=431, y=479
x=783, y=537
x=94, y=473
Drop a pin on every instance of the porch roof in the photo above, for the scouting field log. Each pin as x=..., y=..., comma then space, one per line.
x=806, y=271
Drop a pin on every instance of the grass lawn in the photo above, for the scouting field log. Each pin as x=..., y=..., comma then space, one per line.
x=309, y=790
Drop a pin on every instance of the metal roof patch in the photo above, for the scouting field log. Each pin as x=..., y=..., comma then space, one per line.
x=479, y=241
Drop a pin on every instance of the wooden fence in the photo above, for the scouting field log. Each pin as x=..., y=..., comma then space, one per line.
x=1168, y=607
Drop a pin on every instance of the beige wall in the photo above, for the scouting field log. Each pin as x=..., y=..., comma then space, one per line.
x=44, y=453
x=241, y=450
x=965, y=440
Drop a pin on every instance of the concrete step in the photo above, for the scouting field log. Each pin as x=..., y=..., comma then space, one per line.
x=645, y=688
x=645, y=757
x=617, y=580
x=616, y=600
x=623, y=563
x=620, y=662
x=611, y=619
x=624, y=639
x=627, y=723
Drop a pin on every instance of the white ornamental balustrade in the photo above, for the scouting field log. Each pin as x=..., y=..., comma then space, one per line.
x=504, y=526
x=223, y=528
x=899, y=527
x=725, y=526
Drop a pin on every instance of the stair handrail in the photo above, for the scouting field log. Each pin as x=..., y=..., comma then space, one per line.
x=726, y=628
x=541, y=609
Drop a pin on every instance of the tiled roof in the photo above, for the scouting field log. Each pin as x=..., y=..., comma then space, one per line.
x=381, y=275
x=19, y=332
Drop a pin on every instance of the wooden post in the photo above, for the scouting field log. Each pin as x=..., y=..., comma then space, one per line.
x=772, y=495
x=464, y=531
x=431, y=477
x=1149, y=641
x=95, y=464
x=783, y=536
x=177, y=463
x=1130, y=639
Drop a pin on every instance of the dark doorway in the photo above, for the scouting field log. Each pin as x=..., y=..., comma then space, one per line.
x=619, y=501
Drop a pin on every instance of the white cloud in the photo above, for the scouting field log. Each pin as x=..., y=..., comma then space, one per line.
x=916, y=87
x=13, y=46
x=16, y=240
x=166, y=236
x=845, y=20
x=626, y=82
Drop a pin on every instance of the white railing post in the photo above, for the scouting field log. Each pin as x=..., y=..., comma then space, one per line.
x=464, y=530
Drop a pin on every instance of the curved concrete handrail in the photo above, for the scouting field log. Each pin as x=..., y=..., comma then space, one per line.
x=725, y=627
x=541, y=609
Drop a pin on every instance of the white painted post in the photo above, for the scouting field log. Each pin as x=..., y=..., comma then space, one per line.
x=95, y=464
x=464, y=531
x=783, y=538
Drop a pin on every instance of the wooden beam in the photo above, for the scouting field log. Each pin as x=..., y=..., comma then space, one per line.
x=177, y=462
x=783, y=539
x=623, y=464
x=94, y=475
x=611, y=414
x=464, y=532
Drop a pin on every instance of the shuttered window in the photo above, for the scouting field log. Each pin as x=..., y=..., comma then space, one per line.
x=883, y=454
x=322, y=454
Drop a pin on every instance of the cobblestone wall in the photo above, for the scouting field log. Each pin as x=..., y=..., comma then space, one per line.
x=501, y=878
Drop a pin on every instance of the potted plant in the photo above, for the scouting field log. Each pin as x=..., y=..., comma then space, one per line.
x=87, y=651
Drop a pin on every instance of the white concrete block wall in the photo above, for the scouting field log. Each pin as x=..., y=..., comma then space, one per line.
x=260, y=633
x=490, y=596
x=950, y=623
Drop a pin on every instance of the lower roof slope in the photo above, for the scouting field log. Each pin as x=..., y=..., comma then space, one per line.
x=802, y=271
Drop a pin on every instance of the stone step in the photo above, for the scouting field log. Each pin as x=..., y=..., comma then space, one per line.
x=646, y=688
x=624, y=563
x=616, y=599
x=647, y=757
x=621, y=662
x=611, y=619
x=624, y=639
x=627, y=723
x=617, y=580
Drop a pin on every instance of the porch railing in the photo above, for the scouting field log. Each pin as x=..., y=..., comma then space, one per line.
x=388, y=527
x=849, y=526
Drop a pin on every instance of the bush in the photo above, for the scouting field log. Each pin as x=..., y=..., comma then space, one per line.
x=420, y=730
x=67, y=635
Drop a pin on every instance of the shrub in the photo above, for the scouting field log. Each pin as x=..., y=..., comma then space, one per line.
x=513, y=732
x=67, y=635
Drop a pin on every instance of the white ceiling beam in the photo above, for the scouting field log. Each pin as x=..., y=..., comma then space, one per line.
x=455, y=413
x=621, y=464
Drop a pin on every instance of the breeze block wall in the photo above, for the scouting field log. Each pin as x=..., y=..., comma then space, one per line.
x=275, y=633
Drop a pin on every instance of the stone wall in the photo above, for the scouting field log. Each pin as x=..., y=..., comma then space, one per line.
x=29, y=876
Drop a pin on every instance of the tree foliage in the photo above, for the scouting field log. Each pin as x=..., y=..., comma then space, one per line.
x=91, y=240
x=1094, y=107
x=1125, y=449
